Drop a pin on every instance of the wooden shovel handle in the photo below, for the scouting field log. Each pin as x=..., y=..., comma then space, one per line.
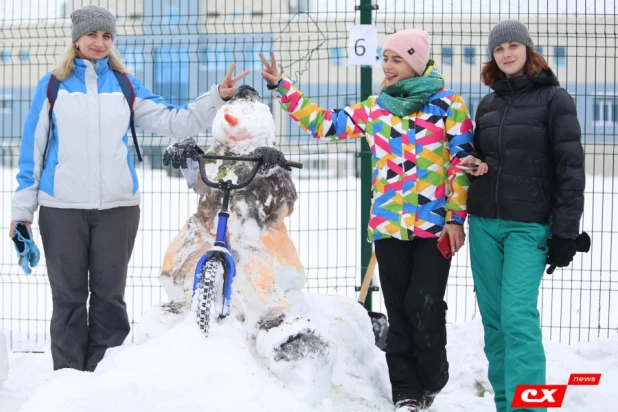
x=367, y=280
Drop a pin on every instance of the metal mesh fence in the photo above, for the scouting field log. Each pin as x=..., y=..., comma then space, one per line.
x=180, y=48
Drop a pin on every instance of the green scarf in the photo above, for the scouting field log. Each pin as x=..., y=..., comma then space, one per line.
x=407, y=96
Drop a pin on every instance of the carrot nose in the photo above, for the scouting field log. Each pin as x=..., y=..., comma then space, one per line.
x=233, y=121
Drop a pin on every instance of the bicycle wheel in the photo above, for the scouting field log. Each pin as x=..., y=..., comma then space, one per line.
x=213, y=270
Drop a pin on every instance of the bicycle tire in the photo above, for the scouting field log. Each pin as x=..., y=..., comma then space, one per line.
x=206, y=293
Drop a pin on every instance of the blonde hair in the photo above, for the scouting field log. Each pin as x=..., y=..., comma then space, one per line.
x=65, y=65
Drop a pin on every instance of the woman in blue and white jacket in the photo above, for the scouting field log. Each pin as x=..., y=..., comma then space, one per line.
x=82, y=175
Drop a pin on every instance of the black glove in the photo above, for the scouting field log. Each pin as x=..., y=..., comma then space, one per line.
x=561, y=251
x=271, y=157
x=582, y=244
x=178, y=153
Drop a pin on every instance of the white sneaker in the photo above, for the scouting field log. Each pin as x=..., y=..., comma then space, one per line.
x=408, y=405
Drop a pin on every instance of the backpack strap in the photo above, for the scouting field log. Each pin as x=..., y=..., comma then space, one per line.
x=129, y=95
x=53, y=85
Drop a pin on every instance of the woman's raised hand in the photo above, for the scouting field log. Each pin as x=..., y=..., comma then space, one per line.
x=271, y=72
x=228, y=86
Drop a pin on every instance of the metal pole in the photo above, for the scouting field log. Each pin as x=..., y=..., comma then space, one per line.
x=365, y=154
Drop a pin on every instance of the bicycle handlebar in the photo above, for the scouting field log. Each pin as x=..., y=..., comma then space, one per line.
x=258, y=163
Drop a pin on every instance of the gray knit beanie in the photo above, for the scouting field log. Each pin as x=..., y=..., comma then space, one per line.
x=92, y=18
x=507, y=31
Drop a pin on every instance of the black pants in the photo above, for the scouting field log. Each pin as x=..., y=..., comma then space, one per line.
x=77, y=243
x=413, y=276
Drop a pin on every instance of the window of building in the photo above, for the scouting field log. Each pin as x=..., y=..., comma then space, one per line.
x=24, y=56
x=469, y=55
x=253, y=50
x=173, y=17
x=379, y=57
x=63, y=10
x=605, y=111
x=6, y=104
x=299, y=6
x=560, y=55
x=539, y=49
x=6, y=56
x=447, y=56
x=171, y=74
x=216, y=55
x=133, y=60
x=336, y=56
x=473, y=103
x=319, y=163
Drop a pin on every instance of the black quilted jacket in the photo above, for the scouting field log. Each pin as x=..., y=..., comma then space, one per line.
x=528, y=134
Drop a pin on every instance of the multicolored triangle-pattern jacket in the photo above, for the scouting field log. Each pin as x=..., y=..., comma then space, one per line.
x=416, y=188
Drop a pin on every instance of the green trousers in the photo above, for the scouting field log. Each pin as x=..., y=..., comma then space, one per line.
x=508, y=261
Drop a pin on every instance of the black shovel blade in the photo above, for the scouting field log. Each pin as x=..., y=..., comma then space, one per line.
x=380, y=328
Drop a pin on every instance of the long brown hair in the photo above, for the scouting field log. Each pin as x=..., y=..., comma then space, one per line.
x=535, y=64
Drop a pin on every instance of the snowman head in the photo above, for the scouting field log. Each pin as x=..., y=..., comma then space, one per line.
x=244, y=123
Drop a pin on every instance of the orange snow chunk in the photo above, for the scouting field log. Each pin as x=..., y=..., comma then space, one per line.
x=263, y=280
x=281, y=246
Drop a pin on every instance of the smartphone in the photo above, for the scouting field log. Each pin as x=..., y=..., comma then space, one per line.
x=467, y=167
x=444, y=246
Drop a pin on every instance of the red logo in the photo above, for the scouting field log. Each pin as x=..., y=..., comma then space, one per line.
x=550, y=396
x=538, y=396
x=584, y=379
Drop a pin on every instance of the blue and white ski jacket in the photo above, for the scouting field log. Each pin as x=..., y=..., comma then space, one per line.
x=89, y=163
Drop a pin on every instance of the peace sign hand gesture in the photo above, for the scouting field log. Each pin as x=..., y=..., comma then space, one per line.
x=228, y=86
x=271, y=72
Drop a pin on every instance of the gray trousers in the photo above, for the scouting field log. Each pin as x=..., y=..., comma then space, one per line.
x=79, y=243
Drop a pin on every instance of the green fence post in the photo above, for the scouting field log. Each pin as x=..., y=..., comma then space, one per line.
x=365, y=154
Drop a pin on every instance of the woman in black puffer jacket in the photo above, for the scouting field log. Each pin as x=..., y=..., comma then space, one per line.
x=525, y=202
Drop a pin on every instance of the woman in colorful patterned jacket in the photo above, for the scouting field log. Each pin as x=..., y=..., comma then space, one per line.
x=78, y=167
x=525, y=211
x=419, y=132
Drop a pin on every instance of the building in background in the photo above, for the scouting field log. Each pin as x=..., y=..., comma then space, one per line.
x=180, y=48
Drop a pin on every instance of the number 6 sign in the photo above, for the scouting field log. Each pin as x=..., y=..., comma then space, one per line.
x=362, y=45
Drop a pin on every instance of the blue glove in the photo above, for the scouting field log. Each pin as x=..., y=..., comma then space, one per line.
x=27, y=251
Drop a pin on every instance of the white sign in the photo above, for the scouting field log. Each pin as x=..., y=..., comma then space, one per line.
x=362, y=45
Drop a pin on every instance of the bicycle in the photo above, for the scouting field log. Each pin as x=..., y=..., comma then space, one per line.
x=217, y=263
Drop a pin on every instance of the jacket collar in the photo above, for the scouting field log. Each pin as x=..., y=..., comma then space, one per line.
x=522, y=83
x=99, y=66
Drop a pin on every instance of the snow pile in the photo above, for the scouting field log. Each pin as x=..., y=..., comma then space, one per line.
x=181, y=370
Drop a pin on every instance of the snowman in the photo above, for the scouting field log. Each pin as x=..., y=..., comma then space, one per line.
x=267, y=295
x=269, y=271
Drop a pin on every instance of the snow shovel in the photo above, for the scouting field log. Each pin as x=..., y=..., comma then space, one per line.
x=378, y=320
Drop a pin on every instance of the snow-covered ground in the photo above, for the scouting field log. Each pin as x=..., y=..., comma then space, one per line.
x=182, y=371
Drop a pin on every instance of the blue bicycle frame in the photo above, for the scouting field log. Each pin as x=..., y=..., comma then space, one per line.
x=221, y=249
x=220, y=252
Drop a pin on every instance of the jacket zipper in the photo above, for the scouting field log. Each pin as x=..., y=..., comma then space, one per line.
x=500, y=149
